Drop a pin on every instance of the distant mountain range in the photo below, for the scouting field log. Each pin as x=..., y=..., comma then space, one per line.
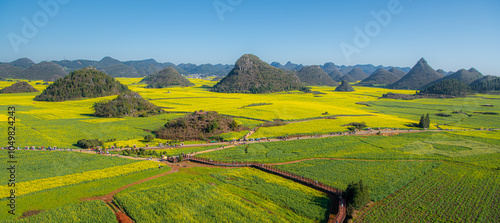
x=418, y=77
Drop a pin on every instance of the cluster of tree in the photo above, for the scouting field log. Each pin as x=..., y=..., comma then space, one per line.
x=451, y=87
x=356, y=126
x=19, y=87
x=84, y=83
x=198, y=126
x=357, y=194
x=486, y=84
x=128, y=104
x=425, y=121
x=89, y=143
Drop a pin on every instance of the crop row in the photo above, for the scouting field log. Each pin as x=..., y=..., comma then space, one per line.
x=223, y=195
x=451, y=192
x=382, y=177
x=28, y=187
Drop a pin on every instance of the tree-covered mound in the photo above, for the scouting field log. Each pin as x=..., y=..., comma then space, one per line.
x=486, y=84
x=314, y=75
x=380, y=76
x=344, y=87
x=197, y=126
x=84, y=83
x=451, y=87
x=167, y=77
x=19, y=87
x=128, y=104
x=419, y=76
x=252, y=75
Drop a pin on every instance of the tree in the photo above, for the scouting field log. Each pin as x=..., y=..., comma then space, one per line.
x=358, y=195
x=149, y=138
x=427, y=121
x=422, y=122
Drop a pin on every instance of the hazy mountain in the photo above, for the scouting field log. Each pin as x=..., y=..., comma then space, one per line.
x=7, y=70
x=84, y=83
x=380, y=76
x=397, y=72
x=167, y=77
x=344, y=87
x=464, y=76
x=46, y=71
x=419, y=76
x=277, y=65
x=358, y=74
x=292, y=66
x=336, y=74
x=22, y=63
x=144, y=67
x=72, y=65
x=347, y=78
x=314, y=75
x=329, y=67
x=252, y=75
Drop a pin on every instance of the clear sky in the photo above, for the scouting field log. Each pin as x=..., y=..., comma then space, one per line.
x=450, y=34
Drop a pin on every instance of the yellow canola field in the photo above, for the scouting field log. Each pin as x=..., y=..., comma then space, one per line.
x=33, y=186
x=332, y=125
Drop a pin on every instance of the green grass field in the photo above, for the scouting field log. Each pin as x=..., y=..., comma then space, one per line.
x=223, y=195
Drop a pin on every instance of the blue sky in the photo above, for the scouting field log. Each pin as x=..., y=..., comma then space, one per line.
x=449, y=34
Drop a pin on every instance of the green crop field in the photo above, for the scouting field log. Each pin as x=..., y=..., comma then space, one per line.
x=50, y=179
x=449, y=193
x=428, y=145
x=90, y=211
x=396, y=168
x=382, y=177
x=223, y=195
x=44, y=164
